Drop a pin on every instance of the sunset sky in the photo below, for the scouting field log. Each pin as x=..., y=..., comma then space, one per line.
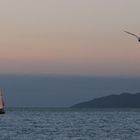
x=70, y=37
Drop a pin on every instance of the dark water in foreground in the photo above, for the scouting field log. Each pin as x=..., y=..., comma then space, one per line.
x=66, y=124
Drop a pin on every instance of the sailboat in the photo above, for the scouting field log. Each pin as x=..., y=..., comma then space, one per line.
x=1, y=103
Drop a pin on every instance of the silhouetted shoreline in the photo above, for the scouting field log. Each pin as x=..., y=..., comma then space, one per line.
x=123, y=100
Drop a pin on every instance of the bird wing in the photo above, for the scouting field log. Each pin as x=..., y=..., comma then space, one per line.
x=132, y=34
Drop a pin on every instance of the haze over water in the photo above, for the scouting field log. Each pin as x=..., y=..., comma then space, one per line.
x=61, y=91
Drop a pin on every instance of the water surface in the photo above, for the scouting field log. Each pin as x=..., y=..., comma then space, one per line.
x=70, y=124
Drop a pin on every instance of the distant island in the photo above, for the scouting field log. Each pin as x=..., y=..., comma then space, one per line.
x=123, y=100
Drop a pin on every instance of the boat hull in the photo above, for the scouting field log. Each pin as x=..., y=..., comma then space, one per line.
x=2, y=111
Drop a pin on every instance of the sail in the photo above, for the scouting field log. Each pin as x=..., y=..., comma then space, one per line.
x=1, y=101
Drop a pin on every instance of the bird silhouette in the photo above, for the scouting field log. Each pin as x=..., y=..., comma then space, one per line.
x=138, y=37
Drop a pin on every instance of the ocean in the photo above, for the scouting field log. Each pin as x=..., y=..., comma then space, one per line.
x=69, y=124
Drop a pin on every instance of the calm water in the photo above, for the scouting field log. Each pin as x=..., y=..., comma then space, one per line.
x=65, y=124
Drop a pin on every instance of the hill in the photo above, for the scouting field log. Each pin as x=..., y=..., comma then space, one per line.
x=123, y=100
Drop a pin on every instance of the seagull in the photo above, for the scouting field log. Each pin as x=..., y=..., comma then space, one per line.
x=138, y=37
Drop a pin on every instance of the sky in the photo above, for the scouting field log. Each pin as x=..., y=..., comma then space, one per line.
x=56, y=53
x=69, y=37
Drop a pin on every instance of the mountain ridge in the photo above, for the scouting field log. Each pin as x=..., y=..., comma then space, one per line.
x=123, y=100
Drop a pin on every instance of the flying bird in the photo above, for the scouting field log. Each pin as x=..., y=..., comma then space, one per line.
x=138, y=37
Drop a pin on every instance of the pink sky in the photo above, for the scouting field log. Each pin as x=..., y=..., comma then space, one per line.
x=82, y=37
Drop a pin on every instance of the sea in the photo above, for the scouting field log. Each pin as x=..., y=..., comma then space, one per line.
x=69, y=124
